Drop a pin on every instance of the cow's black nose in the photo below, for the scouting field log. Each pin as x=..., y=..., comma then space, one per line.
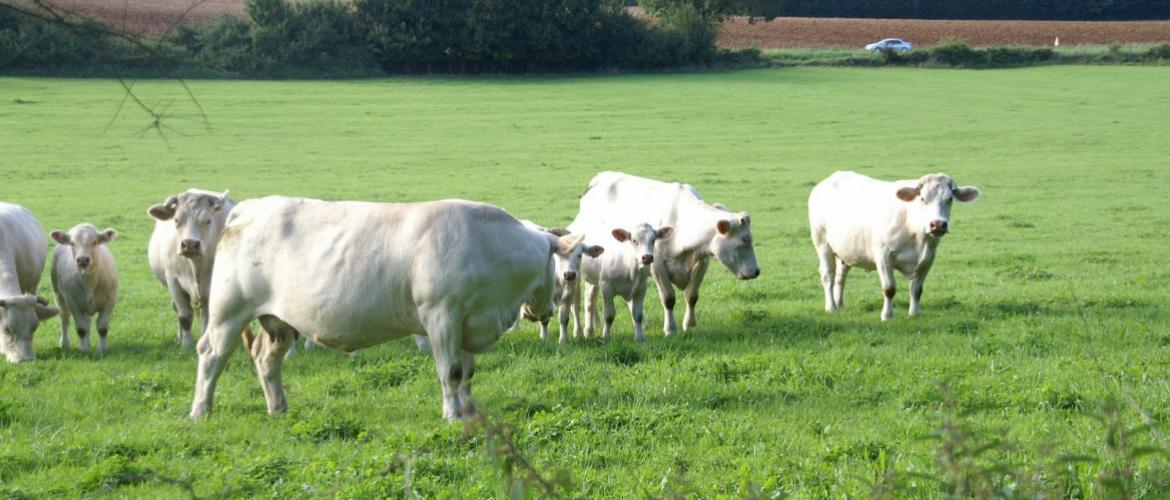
x=83, y=262
x=647, y=259
x=570, y=275
x=938, y=227
x=190, y=247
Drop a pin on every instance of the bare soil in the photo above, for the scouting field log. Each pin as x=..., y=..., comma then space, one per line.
x=155, y=17
x=794, y=32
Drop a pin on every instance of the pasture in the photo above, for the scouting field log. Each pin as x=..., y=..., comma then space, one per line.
x=1048, y=298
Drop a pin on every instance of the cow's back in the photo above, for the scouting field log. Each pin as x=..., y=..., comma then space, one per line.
x=23, y=247
x=615, y=198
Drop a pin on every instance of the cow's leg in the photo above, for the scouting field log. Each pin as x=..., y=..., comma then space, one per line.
x=544, y=328
x=103, y=325
x=215, y=347
x=64, y=315
x=181, y=301
x=575, y=307
x=591, y=319
x=916, y=282
x=563, y=310
x=839, y=284
x=445, y=333
x=828, y=270
x=636, y=314
x=885, y=268
x=610, y=312
x=82, y=323
x=666, y=294
x=692, y=294
x=467, y=361
x=268, y=355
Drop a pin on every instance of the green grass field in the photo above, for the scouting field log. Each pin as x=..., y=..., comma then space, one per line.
x=1048, y=299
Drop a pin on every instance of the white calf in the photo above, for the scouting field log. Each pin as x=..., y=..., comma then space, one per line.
x=85, y=280
x=624, y=271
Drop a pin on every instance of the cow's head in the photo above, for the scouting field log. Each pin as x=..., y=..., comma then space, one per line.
x=569, y=251
x=81, y=241
x=19, y=317
x=642, y=238
x=197, y=220
x=929, y=203
x=732, y=243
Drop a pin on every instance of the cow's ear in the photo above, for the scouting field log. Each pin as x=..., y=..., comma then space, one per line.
x=60, y=237
x=108, y=235
x=164, y=211
x=594, y=251
x=45, y=312
x=723, y=226
x=967, y=194
x=217, y=205
x=908, y=194
x=620, y=234
x=567, y=243
x=664, y=232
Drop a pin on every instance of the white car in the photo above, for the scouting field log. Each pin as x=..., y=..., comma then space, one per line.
x=894, y=44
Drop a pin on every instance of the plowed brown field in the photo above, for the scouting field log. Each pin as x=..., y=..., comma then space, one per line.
x=156, y=16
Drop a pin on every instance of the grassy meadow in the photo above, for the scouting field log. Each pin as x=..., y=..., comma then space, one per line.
x=1047, y=300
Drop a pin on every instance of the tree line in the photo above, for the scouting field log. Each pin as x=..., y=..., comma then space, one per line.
x=365, y=37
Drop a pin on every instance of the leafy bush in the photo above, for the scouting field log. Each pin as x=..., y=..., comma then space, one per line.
x=958, y=53
x=1159, y=53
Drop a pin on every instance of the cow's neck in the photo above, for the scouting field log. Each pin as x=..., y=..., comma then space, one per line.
x=9, y=278
x=694, y=229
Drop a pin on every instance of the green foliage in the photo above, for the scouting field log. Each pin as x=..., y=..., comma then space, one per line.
x=336, y=38
x=717, y=9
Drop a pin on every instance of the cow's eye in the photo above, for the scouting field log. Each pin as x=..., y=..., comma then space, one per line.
x=747, y=240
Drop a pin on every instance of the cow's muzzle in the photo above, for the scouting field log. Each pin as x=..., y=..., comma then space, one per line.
x=190, y=248
x=570, y=276
x=938, y=227
x=749, y=275
x=83, y=262
x=647, y=259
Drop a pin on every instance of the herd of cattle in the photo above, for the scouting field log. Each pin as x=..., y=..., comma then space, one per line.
x=456, y=274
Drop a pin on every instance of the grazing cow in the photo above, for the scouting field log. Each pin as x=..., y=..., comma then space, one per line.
x=85, y=280
x=352, y=275
x=701, y=231
x=624, y=271
x=564, y=270
x=182, y=250
x=858, y=221
x=22, y=259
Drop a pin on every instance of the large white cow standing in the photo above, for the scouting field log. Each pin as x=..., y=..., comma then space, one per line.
x=351, y=275
x=22, y=260
x=85, y=280
x=858, y=221
x=701, y=231
x=182, y=251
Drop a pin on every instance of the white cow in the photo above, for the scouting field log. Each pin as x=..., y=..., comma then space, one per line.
x=182, y=250
x=85, y=280
x=624, y=271
x=701, y=231
x=22, y=259
x=565, y=291
x=351, y=275
x=858, y=221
